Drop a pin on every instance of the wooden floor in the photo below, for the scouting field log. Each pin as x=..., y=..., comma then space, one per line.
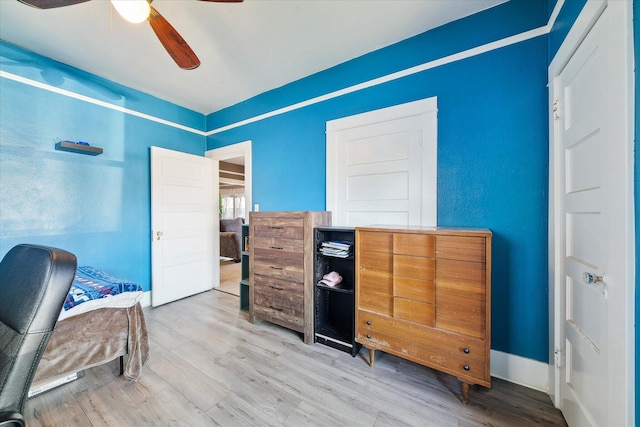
x=210, y=366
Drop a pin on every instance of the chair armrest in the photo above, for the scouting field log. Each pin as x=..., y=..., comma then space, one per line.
x=11, y=419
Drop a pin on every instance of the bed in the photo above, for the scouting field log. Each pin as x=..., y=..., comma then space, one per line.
x=102, y=320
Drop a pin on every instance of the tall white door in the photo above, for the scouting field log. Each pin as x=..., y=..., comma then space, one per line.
x=184, y=253
x=382, y=166
x=593, y=202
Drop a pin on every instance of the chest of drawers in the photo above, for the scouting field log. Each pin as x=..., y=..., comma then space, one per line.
x=424, y=294
x=281, y=268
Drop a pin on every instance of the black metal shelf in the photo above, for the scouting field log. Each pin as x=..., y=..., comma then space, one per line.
x=335, y=305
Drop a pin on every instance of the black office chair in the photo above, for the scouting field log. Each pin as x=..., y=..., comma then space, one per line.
x=34, y=281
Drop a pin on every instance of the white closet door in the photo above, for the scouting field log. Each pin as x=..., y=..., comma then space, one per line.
x=382, y=166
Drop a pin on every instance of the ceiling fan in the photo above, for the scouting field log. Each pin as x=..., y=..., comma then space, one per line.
x=142, y=10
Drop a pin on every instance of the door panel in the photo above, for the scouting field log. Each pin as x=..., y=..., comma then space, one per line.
x=381, y=166
x=183, y=252
x=592, y=214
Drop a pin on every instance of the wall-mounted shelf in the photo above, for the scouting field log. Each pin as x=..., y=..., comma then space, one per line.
x=78, y=148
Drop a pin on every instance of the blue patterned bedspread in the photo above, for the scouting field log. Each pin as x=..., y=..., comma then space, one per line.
x=91, y=284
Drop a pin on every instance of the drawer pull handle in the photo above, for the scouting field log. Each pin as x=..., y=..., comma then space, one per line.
x=276, y=268
x=273, y=227
x=368, y=322
x=277, y=247
x=276, y=287
x=466, y=350
x=276, y=308
x=466, y=367
x=368, y=335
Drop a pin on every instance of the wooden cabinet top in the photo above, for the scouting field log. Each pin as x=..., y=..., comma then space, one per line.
x=462, y=231
x=291, y=214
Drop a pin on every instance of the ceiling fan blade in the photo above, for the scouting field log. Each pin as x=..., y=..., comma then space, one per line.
x=50, y=4
x=173, y=42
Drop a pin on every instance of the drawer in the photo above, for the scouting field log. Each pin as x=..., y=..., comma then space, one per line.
x=416, y=289
x=374, y=286
x=388, y=332
x=414, y=244
x=281, y=316
x=279, y=248
x=412, y=266
x=459, y=356
x=281, y=294
x=374, y=241
x=285, y=228
x=461, y=248
x=283, y=268
x=414, y=311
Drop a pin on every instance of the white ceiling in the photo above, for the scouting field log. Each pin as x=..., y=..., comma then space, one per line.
x=245, y=48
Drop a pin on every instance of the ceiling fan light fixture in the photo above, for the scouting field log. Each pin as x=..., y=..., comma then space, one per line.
x=134, y=11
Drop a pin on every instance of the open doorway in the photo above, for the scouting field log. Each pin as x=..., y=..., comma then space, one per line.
x=233, y=204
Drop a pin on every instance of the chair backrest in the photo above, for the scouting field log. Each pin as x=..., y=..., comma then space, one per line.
x=34, y=282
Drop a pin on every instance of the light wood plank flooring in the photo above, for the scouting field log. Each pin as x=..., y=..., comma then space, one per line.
x=210, y=366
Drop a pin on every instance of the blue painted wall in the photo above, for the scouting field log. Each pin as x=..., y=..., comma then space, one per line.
x=492, y=153
x=96, y=207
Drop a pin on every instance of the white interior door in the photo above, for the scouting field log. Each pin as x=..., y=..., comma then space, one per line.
x=593, y=285
x=184, y=250
x=382, y=166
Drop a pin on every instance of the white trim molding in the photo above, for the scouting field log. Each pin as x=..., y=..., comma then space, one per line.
x=520, y=370
x=488, y=47
x=68, y=93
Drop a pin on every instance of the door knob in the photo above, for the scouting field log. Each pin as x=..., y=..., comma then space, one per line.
x=589, y=278
x=158, y=235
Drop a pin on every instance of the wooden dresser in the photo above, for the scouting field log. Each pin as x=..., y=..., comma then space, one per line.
x=424, y=294
x=281, y=268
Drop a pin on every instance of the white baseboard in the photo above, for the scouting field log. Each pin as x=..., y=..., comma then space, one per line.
x=146, y=299
x=520, y=370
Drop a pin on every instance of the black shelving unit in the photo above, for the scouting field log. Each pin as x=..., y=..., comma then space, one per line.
x=335, y=306
x=245, y=244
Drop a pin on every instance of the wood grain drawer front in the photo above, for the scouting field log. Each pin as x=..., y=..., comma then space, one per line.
x=279, y=247
x=412, y=266
x=374, y=241
x=286, y=228
x=416, y=289
x=457, y=354
x=266, y=308
x=281, y=295
x=461, y=297
x=414, y=244
x=414, y=311
x=375, y=282
x=463, y=248
x=283, y=268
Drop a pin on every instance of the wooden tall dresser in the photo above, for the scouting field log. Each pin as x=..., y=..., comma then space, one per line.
x=281, y=268
x=424, y=294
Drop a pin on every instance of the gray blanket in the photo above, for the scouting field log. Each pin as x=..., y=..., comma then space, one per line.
x=94, y=338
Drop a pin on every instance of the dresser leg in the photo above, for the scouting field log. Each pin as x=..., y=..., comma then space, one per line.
x=372, y=353
x=465, y=392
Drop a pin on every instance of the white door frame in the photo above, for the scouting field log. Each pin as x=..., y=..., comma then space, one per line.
x=587, y=18
x=241, y=149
